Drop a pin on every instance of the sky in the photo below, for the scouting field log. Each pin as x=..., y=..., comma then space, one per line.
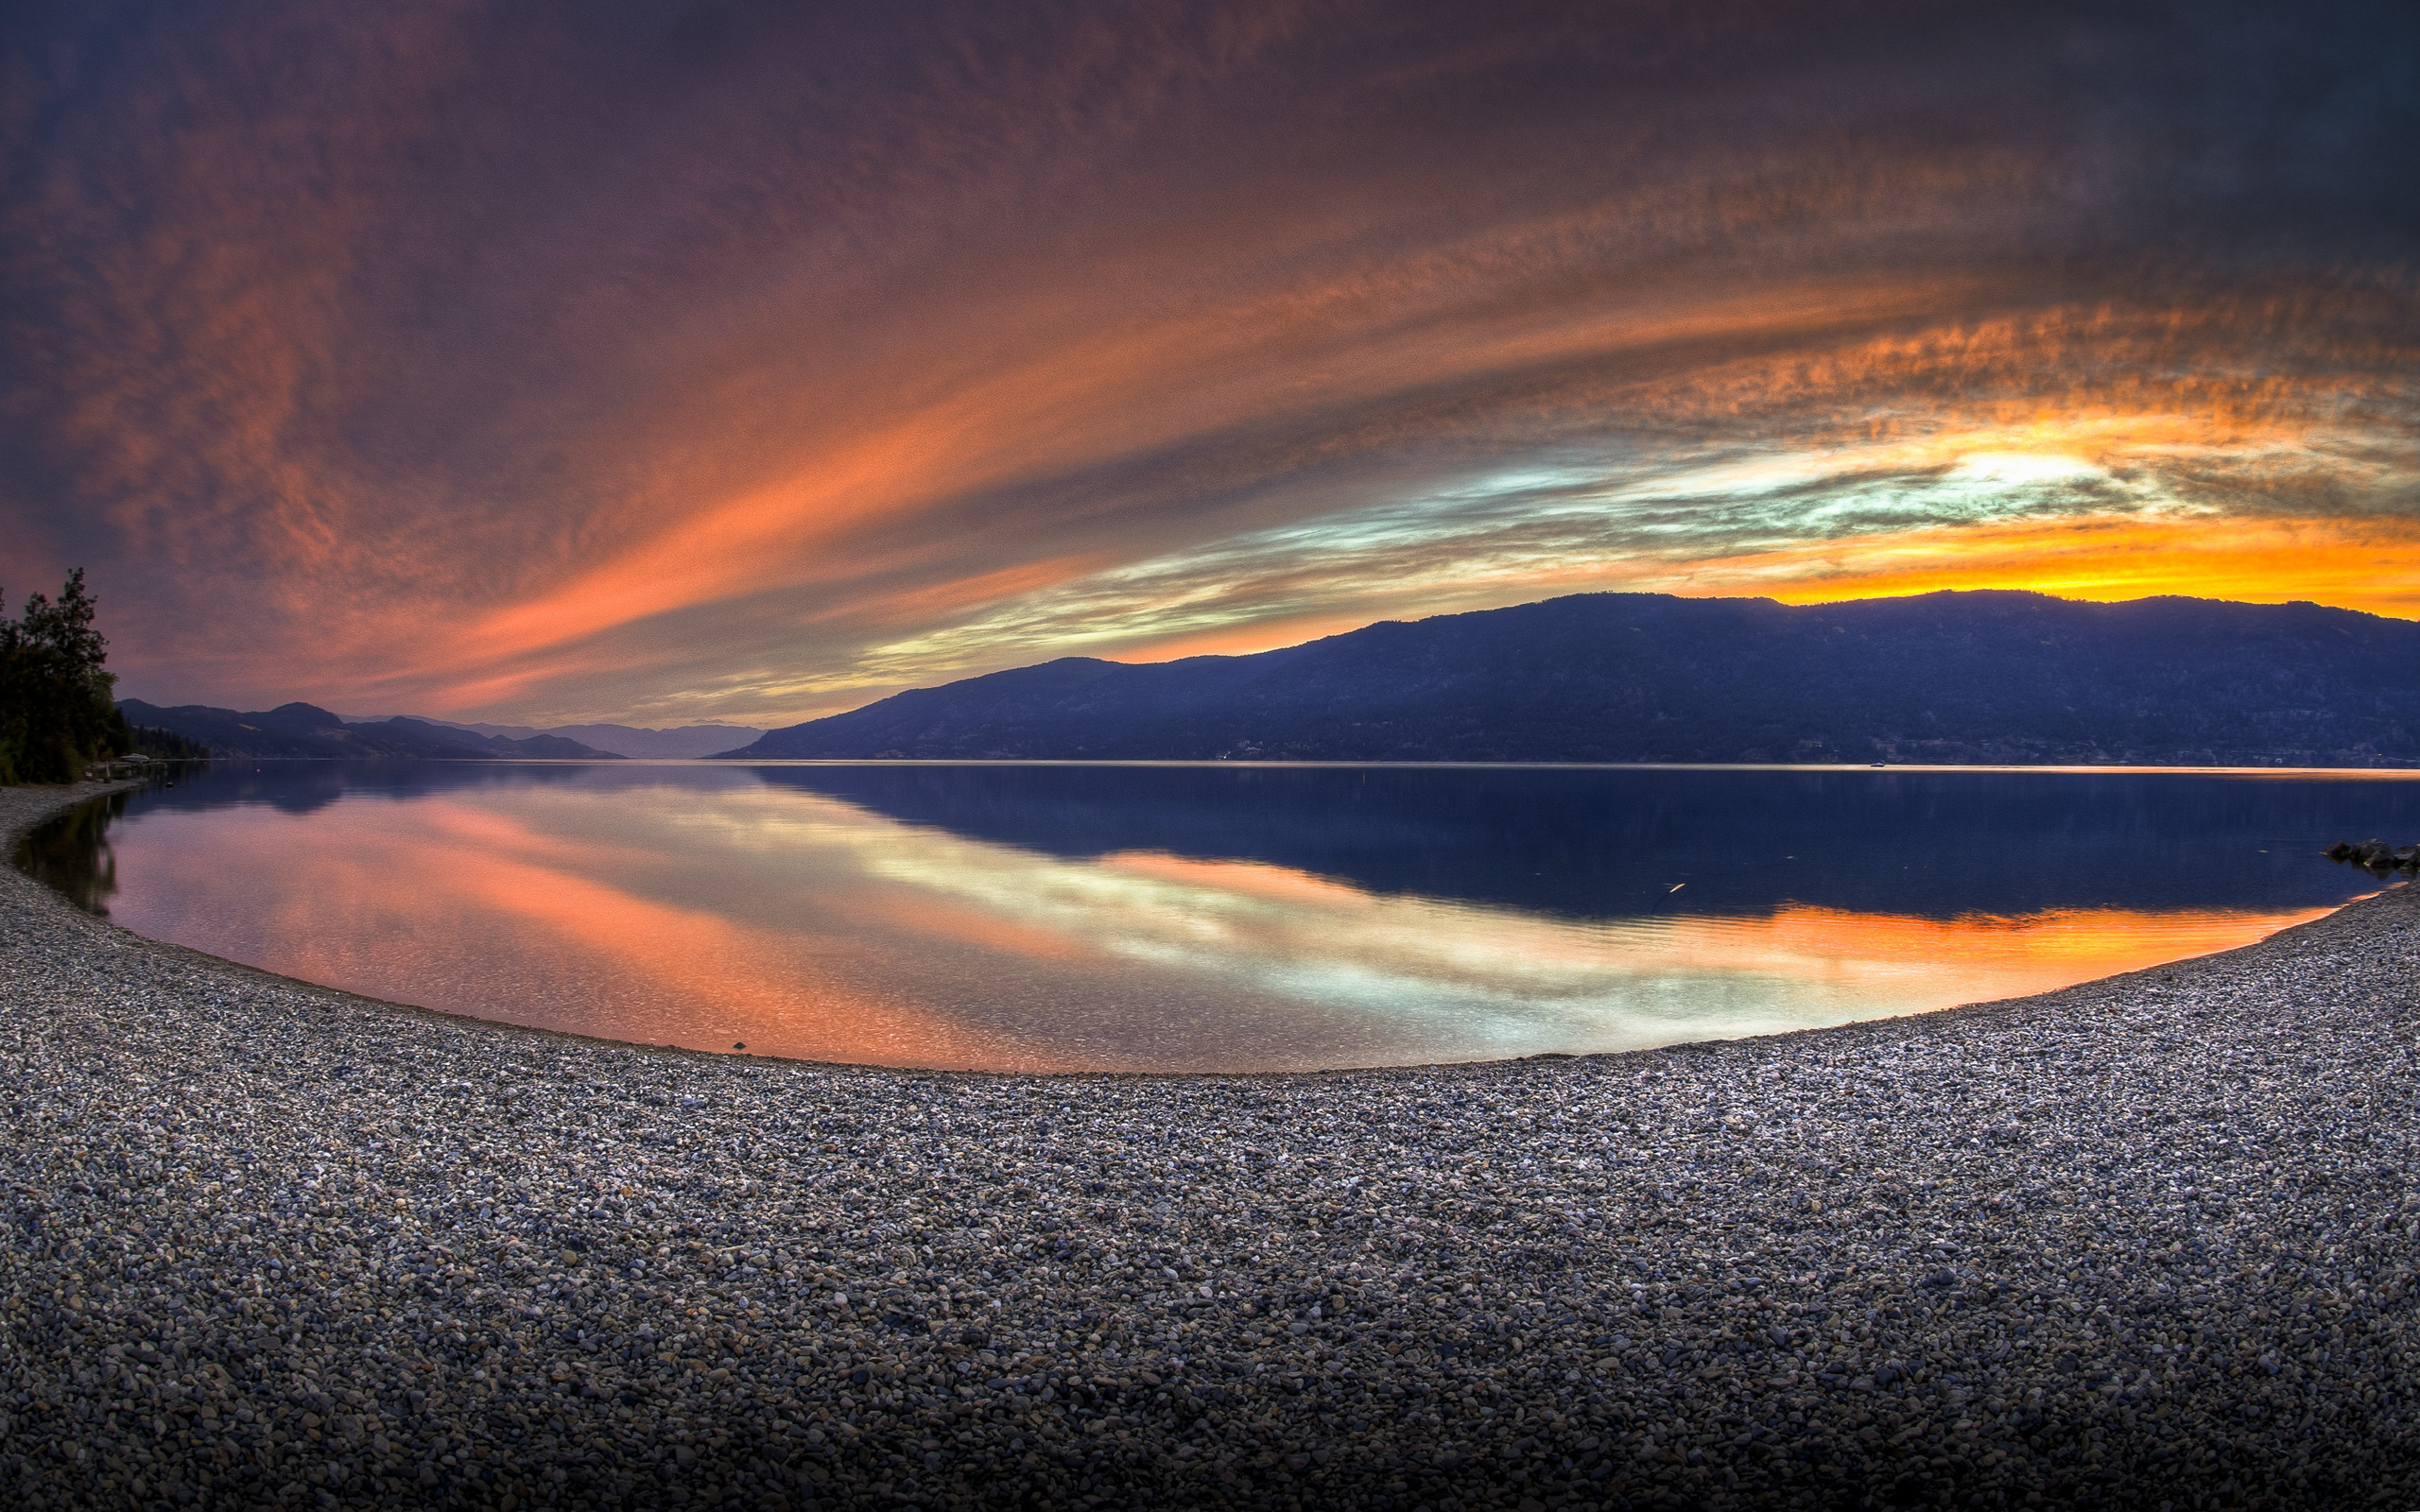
x=660, y=363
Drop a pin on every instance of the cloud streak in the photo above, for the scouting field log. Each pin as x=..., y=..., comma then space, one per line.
x=656, y=361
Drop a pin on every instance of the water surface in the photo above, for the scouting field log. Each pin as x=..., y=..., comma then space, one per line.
x=1221, y=916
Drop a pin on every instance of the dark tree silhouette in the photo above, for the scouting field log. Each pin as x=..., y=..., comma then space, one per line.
x=56, y=713
x=165, y=745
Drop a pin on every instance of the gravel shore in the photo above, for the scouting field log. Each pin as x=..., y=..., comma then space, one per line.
x=2147, y=1242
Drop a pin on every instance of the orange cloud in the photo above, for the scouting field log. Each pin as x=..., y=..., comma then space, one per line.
x=747, y=381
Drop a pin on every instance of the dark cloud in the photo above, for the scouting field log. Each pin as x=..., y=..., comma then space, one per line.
x=732, y=358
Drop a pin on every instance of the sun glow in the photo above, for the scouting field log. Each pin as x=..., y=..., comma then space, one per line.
x=2365, y=565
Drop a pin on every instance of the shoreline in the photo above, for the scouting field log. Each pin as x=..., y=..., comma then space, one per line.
x=2411, y=769
x=2148, y=1236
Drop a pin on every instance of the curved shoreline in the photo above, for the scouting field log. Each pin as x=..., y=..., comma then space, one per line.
x=2146, y=1237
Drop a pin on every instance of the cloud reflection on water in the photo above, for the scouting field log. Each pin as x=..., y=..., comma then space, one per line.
x=808, y=926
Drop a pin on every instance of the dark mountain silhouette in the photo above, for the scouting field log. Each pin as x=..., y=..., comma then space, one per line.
x=306, y=729
x=1940, y=678
x=551, y=748
x=679, y=741
x=613, y=740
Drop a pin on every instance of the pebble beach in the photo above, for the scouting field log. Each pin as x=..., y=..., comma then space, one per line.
x=2150, y=1242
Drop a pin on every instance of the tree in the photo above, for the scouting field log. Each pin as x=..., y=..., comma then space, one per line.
x=55, y=713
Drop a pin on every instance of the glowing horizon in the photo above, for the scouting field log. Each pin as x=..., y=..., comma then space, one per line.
x=659, y=363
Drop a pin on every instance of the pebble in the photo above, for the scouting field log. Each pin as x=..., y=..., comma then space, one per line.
x=2145, y=1243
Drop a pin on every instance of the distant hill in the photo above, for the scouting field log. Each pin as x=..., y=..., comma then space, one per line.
x=619, y=740
x=305, y=729
x=680, y=741
x=1939, y=677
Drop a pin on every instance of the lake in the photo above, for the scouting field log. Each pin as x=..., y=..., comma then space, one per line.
x=1220, y=916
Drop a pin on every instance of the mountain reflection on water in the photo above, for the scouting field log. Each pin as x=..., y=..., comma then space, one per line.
x=1204, y=918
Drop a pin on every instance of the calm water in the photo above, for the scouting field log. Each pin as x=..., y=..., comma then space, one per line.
x=1192, y=918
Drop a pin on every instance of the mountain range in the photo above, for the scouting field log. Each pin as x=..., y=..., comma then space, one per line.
x=619, y=740
x=1953, y=678
x=306, y=729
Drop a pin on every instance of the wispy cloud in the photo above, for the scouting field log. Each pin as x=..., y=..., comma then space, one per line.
x=657, y=360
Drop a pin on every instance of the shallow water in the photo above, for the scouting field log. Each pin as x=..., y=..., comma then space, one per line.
x=1221, y=916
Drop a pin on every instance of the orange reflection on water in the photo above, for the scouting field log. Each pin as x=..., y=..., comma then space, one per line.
x=1839, y=965
x=804, y=925
x=1974, y=957
x=446, y=906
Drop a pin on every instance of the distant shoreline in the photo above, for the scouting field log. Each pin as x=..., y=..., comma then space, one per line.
x=1220, y=762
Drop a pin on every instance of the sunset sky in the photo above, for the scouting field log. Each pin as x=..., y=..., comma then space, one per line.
x=668, y=361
